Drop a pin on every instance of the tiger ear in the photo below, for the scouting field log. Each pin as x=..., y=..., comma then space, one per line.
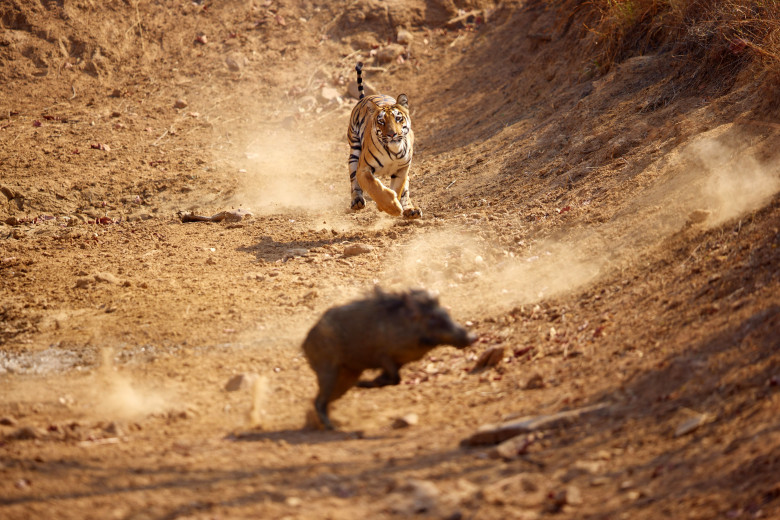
x=403, y=101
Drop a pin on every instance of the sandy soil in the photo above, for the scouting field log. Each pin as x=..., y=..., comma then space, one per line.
x=616, y=234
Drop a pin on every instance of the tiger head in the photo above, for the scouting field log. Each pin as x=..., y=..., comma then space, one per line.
x=393, y=123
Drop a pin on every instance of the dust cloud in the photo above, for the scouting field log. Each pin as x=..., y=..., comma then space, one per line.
x=117, y=397
x=290, y=170
x=705, y=184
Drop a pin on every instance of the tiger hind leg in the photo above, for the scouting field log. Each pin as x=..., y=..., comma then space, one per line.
x=399, y=183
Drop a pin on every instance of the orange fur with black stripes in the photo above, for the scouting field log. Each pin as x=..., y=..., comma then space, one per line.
x=381, y=144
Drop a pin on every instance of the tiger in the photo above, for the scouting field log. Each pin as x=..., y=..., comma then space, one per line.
x=381, y=141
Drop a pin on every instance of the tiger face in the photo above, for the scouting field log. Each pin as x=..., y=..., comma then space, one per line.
x=393, y=124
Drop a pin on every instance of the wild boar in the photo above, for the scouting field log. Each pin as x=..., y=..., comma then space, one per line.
x=384, y=331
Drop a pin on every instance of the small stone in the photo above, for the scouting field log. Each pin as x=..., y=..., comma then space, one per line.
x=535, y=382
x=8, y=421
x=390, y=53
x=410, y=419
x=83, y=283
x=114, y=429
x=512, y=448
x=690, y=425
x=180, y=103
x=26, y=433
x=328, y=94
x=415, y=497
x=293, y=501
x=232, y=64
x=404, y=37
x=489, y=358
x=292, y=253
x=573, y=496
x=106, y=278
x=240, y=381
x=357, y=249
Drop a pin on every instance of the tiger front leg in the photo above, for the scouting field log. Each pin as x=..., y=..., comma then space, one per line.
x=358, y=201
x=399, y=183
x=385, y=198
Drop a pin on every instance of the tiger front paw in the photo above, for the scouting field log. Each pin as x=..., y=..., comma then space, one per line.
x=412, y=213
x=358, y=203
x=392, y=207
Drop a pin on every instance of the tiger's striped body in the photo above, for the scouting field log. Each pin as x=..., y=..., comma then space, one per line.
x=381, y=143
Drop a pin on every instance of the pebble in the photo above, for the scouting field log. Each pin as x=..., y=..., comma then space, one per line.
x=180, y=103
x=404, y=37
x=690, y=425
x=415, y=497
x=489, y=358
x=83, y=283
x=410, y=419
x=328, y=94
x=8, y=421
x=292, y=253
x=536, y=381
x=293, y=501
x=26, y=433
x=232, y=64
x=240, y=381
x=357, y=249
x=106, y=278
x=389, y=53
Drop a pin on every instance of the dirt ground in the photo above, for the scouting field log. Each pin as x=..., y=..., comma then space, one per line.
x=616, y=234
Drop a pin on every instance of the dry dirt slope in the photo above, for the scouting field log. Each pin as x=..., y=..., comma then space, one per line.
x=616, y=234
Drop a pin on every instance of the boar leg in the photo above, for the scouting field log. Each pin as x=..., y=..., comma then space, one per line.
x=388, y=377
x=333, y=384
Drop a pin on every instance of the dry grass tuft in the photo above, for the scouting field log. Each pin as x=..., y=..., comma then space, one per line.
x=719, y=35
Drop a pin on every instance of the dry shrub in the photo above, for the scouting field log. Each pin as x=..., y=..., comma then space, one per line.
x=719, y=35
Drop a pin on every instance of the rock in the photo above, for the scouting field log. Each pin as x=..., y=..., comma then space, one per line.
x=83, y=283
x=495, y=433
x=8, y=421
x=524, y=489
x=26, y=433
x=512, y=448
x=390, y=53
x=569, y=496
x=536, y=381
x=368, y=89
x=114, y=429
x=583, y=467
x=106, y=278
x=406, y=421
x=404, y=37
x=292, y=253
x=233, y=63
x=489, y=358
x=240, y=381
x=357, y=249
x=415, y=497
x=180, y=103
x=329, y=94
x=293, y=501
x=690, y=425
x=12, y=221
